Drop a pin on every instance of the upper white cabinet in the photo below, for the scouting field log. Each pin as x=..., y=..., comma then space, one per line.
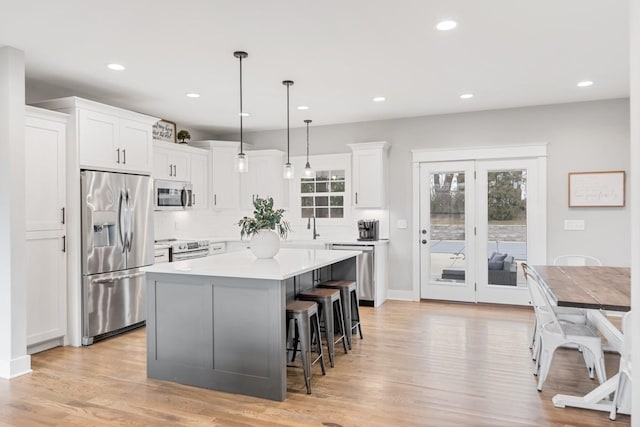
x=108, y=138
x=45, y=212
x=225, y=181
x=370, y=174
x=170, y=162
x=181, y=162
x=264, y=179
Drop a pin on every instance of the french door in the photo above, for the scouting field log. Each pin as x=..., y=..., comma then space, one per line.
x=479, y=220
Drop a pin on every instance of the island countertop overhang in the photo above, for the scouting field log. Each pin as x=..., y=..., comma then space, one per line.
x=243, y=264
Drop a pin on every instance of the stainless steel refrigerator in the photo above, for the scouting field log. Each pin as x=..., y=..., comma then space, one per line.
x=117, y=239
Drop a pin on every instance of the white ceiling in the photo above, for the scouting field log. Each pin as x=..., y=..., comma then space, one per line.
x=340, y=54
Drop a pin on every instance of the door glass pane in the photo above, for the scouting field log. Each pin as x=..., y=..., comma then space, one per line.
x=507, y=228
x=448, y=265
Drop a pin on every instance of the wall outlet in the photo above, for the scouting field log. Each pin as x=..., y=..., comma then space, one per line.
x=574, y=224
x=402, y=223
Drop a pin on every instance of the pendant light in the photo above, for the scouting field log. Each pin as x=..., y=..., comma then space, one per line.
x=308, y=172
x=288, y=167
x=242, y=163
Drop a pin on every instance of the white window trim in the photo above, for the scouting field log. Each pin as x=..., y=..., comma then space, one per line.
x=340, y=161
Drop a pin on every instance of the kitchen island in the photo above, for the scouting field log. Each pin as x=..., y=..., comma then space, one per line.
x=219, y=322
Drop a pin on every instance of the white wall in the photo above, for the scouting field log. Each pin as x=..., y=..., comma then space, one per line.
x=634, y=22
x=585, y=136
x=14, y=360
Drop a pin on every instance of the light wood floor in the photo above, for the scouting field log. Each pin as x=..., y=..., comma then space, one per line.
x=420, y=364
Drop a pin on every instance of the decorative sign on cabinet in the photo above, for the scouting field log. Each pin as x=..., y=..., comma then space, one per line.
x=370, y=173
x=46, y=285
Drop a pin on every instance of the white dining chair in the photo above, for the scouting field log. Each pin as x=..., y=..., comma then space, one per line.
x=565, y=314
x=623, y=387
x=557, y=333
x=577, y=260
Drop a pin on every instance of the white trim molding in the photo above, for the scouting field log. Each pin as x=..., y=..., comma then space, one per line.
x=479, y=153
x=14, y=368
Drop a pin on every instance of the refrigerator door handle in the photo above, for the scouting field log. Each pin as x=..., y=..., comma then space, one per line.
x=121, y=221
x=116, y=278
x=130, y=227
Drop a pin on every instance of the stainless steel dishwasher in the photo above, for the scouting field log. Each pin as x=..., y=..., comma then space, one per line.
x=364, y=274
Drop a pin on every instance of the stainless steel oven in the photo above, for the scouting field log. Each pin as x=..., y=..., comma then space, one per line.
x=172, y=195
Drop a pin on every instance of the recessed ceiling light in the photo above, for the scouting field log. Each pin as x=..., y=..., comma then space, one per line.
x=303, y=107
x=379, y=99
x=115, y=67
x=193, y=95
x=585, y=83
x=446, y=25
x=245, y=114
x=466, y=96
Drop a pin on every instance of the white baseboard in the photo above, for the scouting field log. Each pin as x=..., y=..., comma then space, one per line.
x=407, y=295
x=16, y=367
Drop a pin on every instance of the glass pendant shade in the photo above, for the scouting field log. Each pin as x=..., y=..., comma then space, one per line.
x=287, y=171
x=308, y=172
x=242, y=165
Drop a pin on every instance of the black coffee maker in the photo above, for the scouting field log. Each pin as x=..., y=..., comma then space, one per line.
x=368, y=229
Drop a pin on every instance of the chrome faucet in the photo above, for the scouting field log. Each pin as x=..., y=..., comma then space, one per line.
x=314, y=226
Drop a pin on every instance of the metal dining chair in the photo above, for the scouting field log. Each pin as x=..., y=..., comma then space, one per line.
x=577, y=260
x=555, y=333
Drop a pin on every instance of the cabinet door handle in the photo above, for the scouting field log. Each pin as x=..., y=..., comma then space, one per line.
x=175, y=170
x=124, y=156
x=64, y=243
x=356, y=197
x=170, y=170
x=193, y=199
x=215, y=199
x=118, y=161
x=63, y=219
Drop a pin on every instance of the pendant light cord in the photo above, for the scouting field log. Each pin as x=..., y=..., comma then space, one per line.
x=288, y=124
x=307, y=141
x=241, y=109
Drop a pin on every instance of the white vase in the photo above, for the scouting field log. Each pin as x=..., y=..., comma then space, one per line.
x=265, y=244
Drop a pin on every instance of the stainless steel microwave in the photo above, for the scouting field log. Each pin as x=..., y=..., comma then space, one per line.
x=172, y=195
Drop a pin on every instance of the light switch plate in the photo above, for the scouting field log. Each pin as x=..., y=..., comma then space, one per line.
x=402, y=223
x=574, y=224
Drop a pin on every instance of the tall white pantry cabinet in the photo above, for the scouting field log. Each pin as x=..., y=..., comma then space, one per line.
x=45, y=140
x=99, y=137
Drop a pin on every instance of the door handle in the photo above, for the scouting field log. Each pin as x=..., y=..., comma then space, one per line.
x=170, y=170
x=124, y=156
x=356, y=197
x=215, y=199
x=64, y=243
x=175, y=170
x=118, y=161
x=63, y=219
x=193, y=199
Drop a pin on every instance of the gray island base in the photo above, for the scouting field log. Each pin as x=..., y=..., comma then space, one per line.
x=219, y=322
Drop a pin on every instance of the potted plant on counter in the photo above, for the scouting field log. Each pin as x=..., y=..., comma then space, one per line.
x=265, y=242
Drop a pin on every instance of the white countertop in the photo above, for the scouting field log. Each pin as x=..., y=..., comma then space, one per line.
x=243, y=264
x=301, y=241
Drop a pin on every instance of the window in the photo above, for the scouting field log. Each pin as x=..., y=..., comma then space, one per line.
x=323, y=195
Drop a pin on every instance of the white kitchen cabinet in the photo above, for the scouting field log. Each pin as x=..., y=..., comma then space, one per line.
x=108, y=138
x=199, y=167
x=45, y=216
x=225, y=180
x=370, y=174
x=264, y=179
x=170, y=162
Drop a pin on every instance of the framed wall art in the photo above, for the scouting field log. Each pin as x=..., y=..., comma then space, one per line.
x=164, y=130
x=597, y=189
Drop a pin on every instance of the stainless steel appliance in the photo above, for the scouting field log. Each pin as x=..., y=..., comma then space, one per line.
x=172, y=195
x=117, y=239
x=368, y=229
x=179, y=250
x=364, y=273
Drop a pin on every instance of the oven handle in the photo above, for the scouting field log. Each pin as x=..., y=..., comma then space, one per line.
x=189, y=255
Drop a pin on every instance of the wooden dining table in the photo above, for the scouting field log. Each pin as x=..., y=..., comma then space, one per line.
x=594, y=288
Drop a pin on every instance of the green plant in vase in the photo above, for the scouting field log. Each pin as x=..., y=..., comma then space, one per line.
x=182, y=135
x=264, y=218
